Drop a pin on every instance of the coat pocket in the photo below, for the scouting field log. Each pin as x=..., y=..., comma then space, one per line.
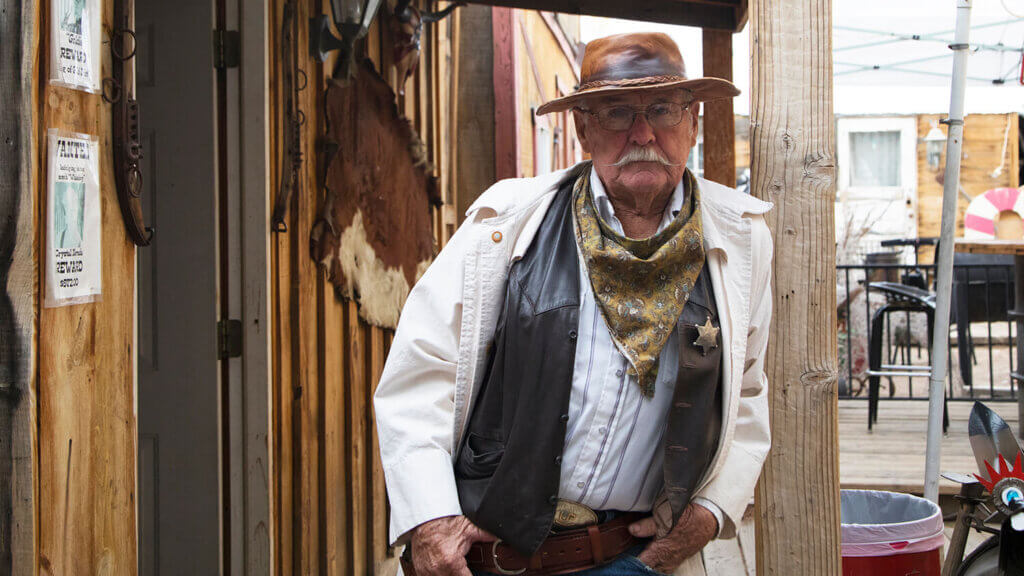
x=480, y=456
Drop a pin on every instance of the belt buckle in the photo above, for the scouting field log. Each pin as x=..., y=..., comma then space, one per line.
x=497, y=566
x=571, y=515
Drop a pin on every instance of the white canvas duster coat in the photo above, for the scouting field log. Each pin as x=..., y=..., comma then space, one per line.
x=437, y=358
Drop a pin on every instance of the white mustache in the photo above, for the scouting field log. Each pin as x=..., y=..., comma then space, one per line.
x=644, y=154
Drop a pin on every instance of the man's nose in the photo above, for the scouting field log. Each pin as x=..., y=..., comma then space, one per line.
x=641, y=133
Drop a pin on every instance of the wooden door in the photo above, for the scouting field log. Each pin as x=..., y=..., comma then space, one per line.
x=877, y=178
x=179, y=440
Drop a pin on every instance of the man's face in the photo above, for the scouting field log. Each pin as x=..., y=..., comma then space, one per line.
x=606, y=147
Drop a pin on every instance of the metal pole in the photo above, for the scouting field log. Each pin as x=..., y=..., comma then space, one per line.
x=944, y=280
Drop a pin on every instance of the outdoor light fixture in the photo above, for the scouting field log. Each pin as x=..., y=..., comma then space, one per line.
x=933, y=146
x=352, y=18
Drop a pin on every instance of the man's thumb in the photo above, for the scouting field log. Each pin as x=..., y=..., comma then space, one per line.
x=643, y=528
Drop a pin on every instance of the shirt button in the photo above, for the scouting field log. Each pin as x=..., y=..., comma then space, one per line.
x=580, y=485
x=553, y=500
x=496, y=236
x=602, y=430
x=564, y=418
x=618, y=373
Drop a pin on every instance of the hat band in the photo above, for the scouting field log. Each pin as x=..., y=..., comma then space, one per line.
x=632, y=82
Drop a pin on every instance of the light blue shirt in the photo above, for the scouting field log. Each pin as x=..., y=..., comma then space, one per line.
x=613, y=443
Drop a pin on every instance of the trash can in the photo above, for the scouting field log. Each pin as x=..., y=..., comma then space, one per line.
x=872, y=259
x=890, y=533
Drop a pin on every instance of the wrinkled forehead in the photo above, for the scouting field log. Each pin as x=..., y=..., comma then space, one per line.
x=639, y=97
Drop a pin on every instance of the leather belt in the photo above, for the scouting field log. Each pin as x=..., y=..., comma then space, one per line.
x=562, y=553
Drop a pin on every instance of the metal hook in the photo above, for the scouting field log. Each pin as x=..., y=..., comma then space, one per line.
x=121, y=32
x=115, y=88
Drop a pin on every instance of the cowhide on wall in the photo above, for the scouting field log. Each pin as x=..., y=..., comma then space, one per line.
x=374, y=235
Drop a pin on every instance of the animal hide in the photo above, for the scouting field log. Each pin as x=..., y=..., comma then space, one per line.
x=374, y=235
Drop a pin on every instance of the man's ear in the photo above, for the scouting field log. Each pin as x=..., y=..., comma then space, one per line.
x=581, y=129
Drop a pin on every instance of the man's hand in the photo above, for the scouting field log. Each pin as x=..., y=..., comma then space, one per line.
x=439, y=546
x=695, y=528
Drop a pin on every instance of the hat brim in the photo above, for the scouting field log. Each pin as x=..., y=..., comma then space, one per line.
x=702, y=89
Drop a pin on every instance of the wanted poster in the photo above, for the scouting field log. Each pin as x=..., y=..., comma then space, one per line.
x=73, y=274
x=75, y=44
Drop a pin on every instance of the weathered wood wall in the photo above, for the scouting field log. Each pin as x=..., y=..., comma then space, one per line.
x=85, y=388
x=991, y=153
x=329, y=512
x=793, y=165
x=544, y=70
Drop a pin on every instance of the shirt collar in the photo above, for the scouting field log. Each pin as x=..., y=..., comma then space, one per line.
x=607, y=211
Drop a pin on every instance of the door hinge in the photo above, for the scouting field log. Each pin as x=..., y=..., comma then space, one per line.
x=229, y=339
x=226, y=48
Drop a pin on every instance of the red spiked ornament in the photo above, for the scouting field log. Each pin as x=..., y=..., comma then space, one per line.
x=1002, y=471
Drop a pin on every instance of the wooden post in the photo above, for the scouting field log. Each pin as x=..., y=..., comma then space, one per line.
x=18, y=126
x=506, y=134
x=793, y=165
x=474, y=142
x=719, y=126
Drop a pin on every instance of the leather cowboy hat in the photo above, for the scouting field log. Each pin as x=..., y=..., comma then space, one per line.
x=639, y=61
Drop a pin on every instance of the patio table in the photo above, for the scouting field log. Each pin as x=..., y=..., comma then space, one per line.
x=1016, y=248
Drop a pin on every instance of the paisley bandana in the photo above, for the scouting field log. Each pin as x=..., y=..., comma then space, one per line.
x=640, y=286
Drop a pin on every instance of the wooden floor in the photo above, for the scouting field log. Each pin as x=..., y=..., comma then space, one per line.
x=891, y=456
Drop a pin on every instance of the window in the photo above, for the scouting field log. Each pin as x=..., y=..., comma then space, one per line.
x=875, y=158
x=695, y=161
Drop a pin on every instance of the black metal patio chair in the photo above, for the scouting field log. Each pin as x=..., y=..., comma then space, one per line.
x=910, y=295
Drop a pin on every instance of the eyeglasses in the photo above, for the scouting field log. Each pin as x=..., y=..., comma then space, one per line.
x=620, y=118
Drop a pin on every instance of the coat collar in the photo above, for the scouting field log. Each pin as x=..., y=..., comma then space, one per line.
x=724, y=211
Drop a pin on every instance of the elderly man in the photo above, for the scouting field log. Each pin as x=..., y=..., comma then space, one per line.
x=576, y=384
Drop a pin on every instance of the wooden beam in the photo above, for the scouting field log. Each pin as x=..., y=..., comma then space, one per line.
x=719, y=14
x=719, y=125
x=475, y=141
x=793, y=165
x=254, y=142
x=563, y=42
x=506, y=134
x=18, y=125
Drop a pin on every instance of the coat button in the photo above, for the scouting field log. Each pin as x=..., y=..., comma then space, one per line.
x=553, y=500
x=564, y=418
x=496, y=236
x=572, y=334
x=558, y=460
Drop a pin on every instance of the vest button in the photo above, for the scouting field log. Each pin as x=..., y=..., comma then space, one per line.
x=564, y=418
x=553, y=500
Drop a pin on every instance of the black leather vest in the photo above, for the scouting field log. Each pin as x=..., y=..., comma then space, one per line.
x=509, y=462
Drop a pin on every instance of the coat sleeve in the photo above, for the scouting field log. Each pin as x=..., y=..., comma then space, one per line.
x=733, y=486
x=415, y=399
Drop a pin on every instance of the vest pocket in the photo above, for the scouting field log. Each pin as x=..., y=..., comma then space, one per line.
x=480, y=456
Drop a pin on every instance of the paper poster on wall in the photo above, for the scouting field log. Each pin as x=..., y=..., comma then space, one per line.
x=73, y=257
x=75, y=44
